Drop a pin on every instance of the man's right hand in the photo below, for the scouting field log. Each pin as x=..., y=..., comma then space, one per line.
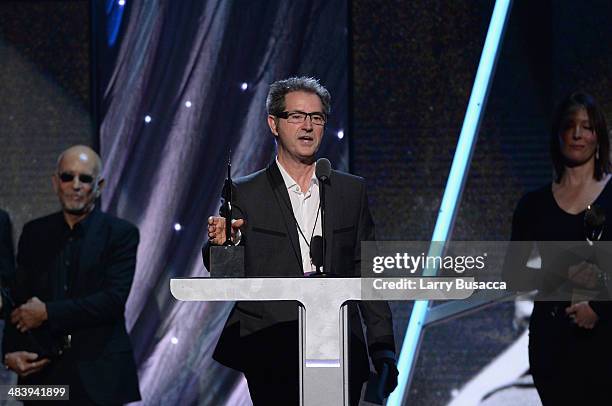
x=216, y=229
x=24, y=363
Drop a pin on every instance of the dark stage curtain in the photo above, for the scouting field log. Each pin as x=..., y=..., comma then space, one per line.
x=179, y=83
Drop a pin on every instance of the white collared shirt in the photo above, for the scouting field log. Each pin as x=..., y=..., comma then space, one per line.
x=305, y=205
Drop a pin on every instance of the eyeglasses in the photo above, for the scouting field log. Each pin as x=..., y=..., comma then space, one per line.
x=69, y=177
x=298, y=117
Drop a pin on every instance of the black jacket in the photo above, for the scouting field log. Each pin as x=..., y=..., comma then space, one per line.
x=7, y=257
x=272, y=248
x=93, y=313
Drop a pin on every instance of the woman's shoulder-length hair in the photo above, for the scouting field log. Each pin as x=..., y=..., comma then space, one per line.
x=566, y=108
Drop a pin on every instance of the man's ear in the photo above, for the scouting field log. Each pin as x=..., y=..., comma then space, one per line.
x=55, y=182
x=99, y=187
x=272, y=124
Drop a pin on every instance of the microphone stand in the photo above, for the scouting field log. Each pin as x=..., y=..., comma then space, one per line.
x=322, y=205
x=323, y=171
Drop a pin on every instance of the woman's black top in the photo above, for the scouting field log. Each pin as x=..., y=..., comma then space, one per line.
x=539, y=218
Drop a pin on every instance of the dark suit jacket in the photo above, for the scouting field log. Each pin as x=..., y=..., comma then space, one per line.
x=7, y=257
x=93, y=314
x=272, y=248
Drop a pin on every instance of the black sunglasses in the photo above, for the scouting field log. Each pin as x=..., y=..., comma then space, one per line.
x=69, y=177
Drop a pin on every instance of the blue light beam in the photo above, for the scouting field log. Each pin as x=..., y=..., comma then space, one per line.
x=454, y=187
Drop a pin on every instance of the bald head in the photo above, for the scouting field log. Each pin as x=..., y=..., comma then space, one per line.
x=78, y=181
x=81, y=153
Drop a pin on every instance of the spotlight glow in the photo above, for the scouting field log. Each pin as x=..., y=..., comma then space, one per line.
x=147, y=119
x=178, y=226
x=244, y=86
x=174, y=340
x=340, y=134
x=121, y=3
x=187, y=104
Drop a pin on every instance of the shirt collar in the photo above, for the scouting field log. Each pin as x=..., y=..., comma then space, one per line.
x=81, y=227
x=290, y=183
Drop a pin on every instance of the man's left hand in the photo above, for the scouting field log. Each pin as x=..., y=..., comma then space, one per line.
x=29, y=315
x=392, y=373
x=582, y=314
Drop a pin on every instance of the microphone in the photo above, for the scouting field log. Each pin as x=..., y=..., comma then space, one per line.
x=323, y=169
x=316, y=251
x=322, y=172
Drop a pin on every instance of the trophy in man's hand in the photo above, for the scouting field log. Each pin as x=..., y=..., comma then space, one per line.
x=226, y=206
x=227, y=261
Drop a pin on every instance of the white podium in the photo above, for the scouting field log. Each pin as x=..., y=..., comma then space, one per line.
x=323, y=323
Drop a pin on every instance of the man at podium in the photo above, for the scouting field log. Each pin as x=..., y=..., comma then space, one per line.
x=276, y=216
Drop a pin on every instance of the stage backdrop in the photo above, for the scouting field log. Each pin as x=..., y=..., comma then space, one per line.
x=178, y=85
x=414, y=66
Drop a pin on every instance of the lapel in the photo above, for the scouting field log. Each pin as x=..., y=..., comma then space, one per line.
x=42, y=256
x=284, y=204
x=91, y=248
x=53, y=237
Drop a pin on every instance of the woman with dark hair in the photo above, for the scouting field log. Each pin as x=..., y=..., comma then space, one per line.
x=570, y=341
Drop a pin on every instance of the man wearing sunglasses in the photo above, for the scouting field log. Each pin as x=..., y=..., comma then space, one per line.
x=74, y=273
x=277, y=214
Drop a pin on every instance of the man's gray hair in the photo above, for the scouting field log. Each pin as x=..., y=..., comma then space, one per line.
x=275, y=102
